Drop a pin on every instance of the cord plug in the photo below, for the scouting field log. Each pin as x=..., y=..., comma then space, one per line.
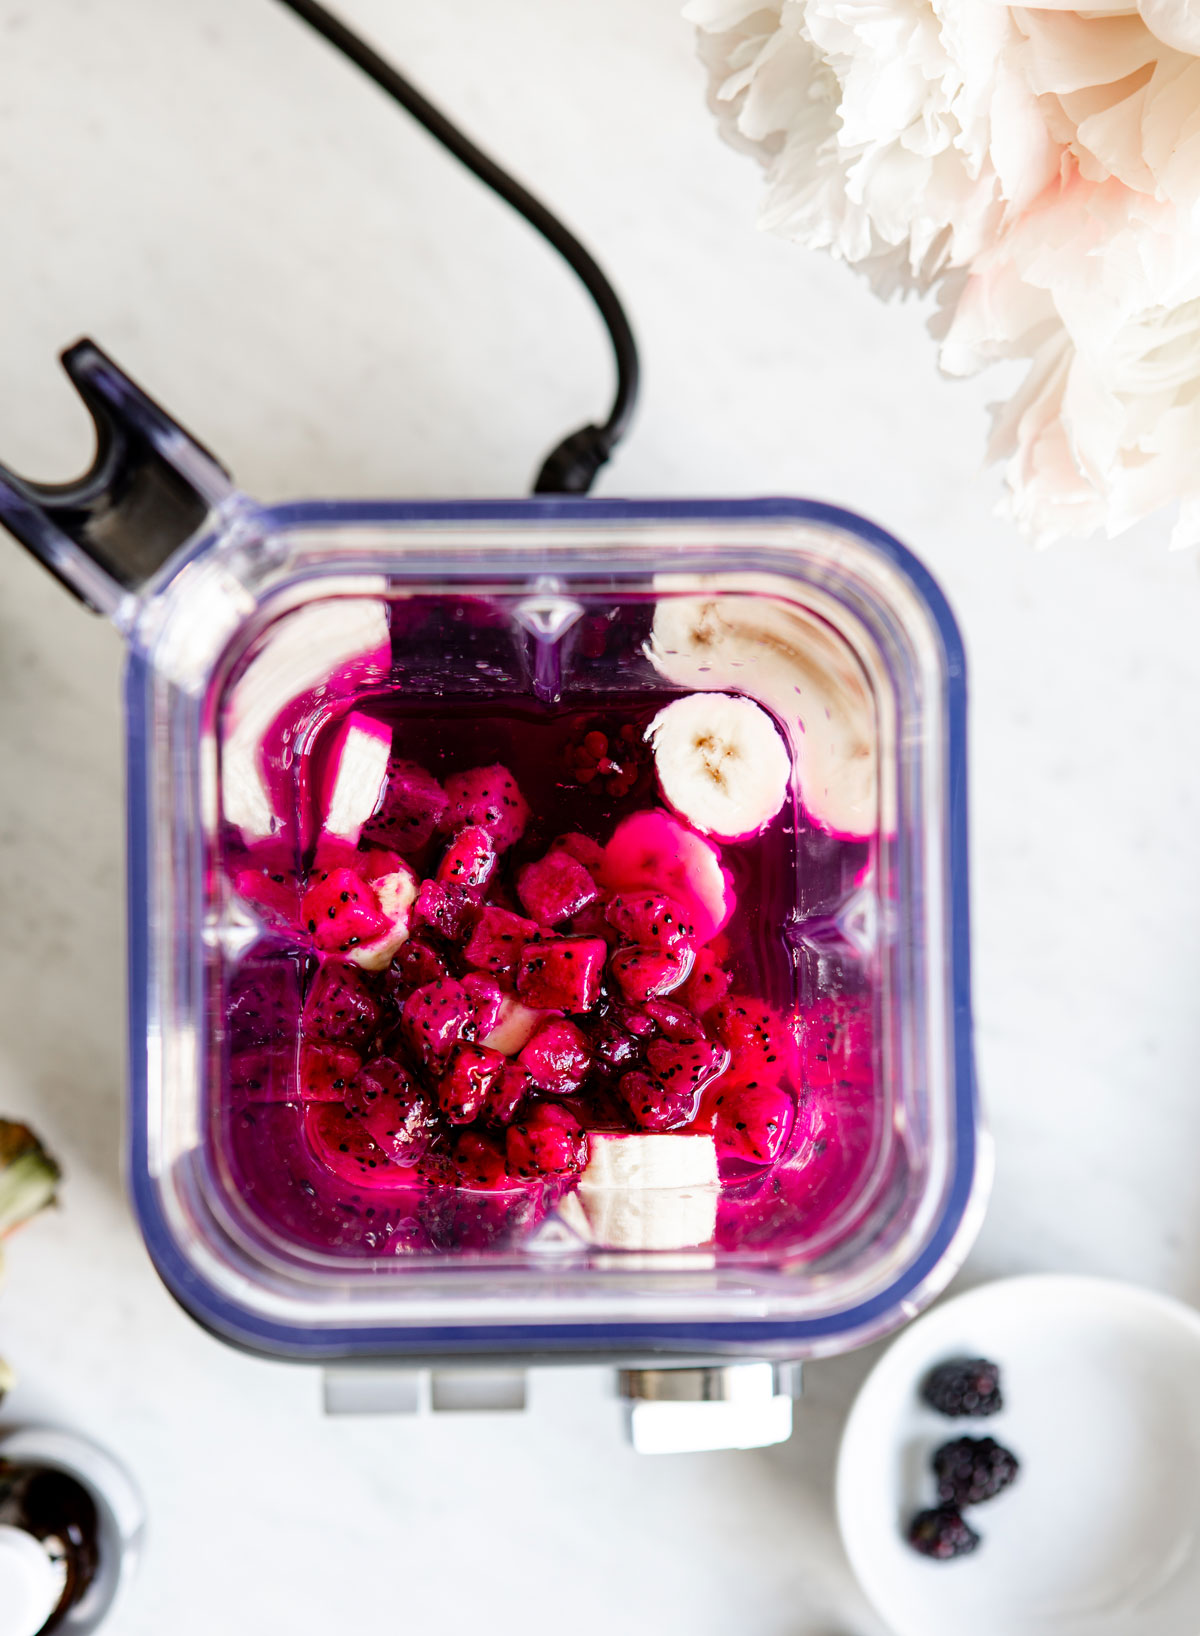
x=571, y=467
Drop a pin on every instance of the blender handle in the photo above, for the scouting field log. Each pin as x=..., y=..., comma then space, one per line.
x=149, y=489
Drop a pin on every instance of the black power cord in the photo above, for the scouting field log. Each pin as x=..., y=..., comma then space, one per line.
x=571, y=467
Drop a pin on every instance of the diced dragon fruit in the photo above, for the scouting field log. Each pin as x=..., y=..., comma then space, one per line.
x=264, y=1002
x=340, y=1006
x=397, y=895
x=480, y=1163
x=547, y=1141
x=463, y=1220
x=555, y=888
x=445, y=909
x=762, y=1041
x=374, y=862
x=433, y=1018
x=264, y=1073
x=583, y=849
x=636, y=1020
x=368, y=862
x=655, y=1106
x=612, y=1047
x=397, y=1114
x=591, y=922
x=827, y=1159
x=836, y=1046
x=651, y=920
x=412, y=807
x=751, y=1122
x=487, y=1001
x=515, y=1026
x=708, y=984
x=563, y=975
x=689, y=1066
x=653, y=849
x=489, y=797
x=339, y=1138
x=496, y=942
x=326, y=1072
x=342, y=911
x=557, y=1058
x=273, y=893
x=644, y=974
x=470, y=859
x=508, y=1093
x=355, y=774
x=674, y=1021
x=416, y=963
x=471, y=1074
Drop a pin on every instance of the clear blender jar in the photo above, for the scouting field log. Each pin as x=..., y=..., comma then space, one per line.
x=504, y=628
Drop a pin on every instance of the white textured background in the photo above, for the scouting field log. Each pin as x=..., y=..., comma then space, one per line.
x=318, y=293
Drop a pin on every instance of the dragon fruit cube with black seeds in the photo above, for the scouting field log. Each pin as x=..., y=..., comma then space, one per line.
x=434, y=1017
x=645, y=974
x=496, y=940
x=555, y=888
x=471, y=1075
x=488, y=797
x=563, y=975
x=557, y=1058
x=412, y=808
x=470, y=859
x=341, y=1005
x=340, y=911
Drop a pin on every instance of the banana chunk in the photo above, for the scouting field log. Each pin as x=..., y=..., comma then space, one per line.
x=355, y=778
x=646, y=1192
x=313, y=646
x=741, y=634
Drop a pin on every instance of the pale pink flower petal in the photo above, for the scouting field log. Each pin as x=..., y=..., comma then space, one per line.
x=1039, y=168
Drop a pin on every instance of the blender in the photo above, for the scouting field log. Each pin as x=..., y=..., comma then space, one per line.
x=238, y=616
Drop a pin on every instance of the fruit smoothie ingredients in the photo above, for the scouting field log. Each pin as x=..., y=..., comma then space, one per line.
x=490, y=991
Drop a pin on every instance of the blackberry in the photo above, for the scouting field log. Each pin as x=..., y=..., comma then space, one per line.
x=973, y=1469
x=964, y=1386
x=941, y=1534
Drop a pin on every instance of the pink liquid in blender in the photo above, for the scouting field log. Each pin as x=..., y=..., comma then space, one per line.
x=575, y=961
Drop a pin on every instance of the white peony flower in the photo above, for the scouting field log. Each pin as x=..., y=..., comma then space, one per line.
x=1040, y=167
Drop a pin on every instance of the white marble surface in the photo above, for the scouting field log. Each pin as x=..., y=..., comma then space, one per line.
x=322, y=298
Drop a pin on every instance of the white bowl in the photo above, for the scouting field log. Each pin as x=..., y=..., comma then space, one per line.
x=1100, y=1533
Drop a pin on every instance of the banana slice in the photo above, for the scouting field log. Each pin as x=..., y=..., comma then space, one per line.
x=721, y=763
x=745, y=632
x=355, y=777
x=333, y=644
x=515, y=1026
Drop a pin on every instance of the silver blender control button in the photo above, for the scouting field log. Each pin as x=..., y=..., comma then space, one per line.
x=697, y=1407
x=30, y=1584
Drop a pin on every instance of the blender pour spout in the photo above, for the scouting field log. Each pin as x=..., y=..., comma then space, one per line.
x=150, y=488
